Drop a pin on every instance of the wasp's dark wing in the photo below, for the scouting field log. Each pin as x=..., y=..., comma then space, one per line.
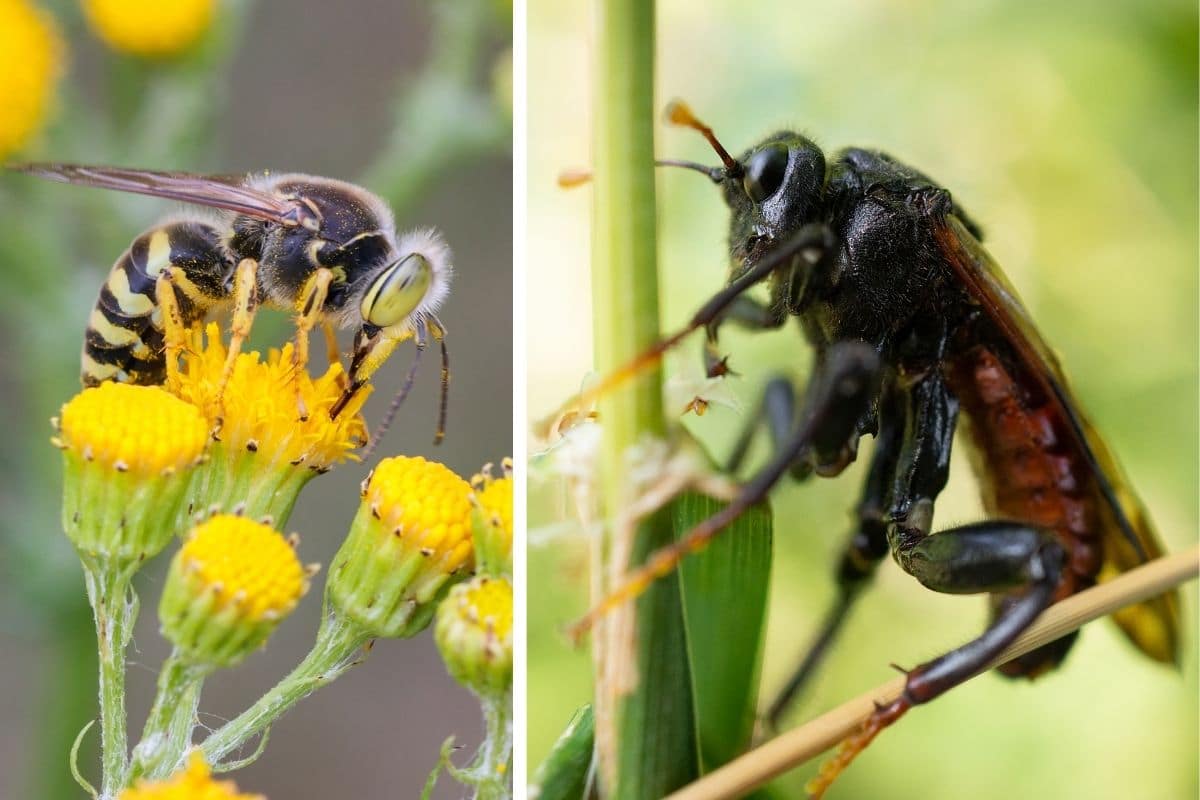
x=227, y=192
x=1128, y=534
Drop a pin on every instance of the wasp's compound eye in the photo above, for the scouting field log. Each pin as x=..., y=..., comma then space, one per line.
x=397, y=291
x=764, y=172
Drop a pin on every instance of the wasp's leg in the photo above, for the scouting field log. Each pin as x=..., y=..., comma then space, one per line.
x=840, y=393
x=245, y=304
x=863, y=551
x=174, y=328
x=777, y=410
x=746, y=313
x=332, y=352
x=985, y=557
x=309, y=307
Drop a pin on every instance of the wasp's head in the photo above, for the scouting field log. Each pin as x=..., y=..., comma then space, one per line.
x=397, y=300
x=772, y=190
x=777, y=190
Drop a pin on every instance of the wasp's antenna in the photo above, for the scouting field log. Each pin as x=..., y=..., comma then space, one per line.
x=714, y=174
x=574, y=178
x=678, y=113
x=440, y=335
x=401, y=395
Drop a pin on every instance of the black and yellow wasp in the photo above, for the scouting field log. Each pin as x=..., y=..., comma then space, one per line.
x=322, y=247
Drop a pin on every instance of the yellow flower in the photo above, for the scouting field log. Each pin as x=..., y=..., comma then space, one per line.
x=493, y=519
x=193, y=782
x=150, y=28
x=411, y=535
x=228, y=588
x=128, y=453
x=138, y=429
x=31, y=59
x=474, y=634
x=265, y=452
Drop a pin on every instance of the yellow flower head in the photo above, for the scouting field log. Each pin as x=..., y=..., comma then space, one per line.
x=139, y=429
x=493, y=519
x=412, y=533
x=258, y=411
x=265, y=452
x=193, y=782
x=229, y=586
x=31, y=59
x=474, y=634
x=128, y=453
x=149, y=28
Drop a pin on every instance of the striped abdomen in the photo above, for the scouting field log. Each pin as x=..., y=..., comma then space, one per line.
x=1030, y=471
x=124, y=340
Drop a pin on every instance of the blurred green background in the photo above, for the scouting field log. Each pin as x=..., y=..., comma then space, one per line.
x=407, y=99
x=1069, y=131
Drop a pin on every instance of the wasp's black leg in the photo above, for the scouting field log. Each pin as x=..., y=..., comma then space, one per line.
x=984, y=557
x=840, y=393
x=777, y=410
x=746, y=313
x=863, y=551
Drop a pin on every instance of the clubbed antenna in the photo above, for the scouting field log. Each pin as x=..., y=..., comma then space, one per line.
x=678, y=113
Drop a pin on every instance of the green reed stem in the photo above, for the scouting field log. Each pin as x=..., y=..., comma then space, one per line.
x=652, y=748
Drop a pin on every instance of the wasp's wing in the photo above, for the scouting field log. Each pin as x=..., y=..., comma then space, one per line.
x=227, y=192
x=1128, y=534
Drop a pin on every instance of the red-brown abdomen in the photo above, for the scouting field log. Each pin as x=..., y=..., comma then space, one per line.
x=1029, y=470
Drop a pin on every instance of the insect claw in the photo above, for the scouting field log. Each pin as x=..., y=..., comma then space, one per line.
x=900, y=669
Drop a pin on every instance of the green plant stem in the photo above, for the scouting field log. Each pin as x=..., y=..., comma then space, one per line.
x=168, y=732
x=114, y=607
x=334, y=652
x=646, y=733
x=495, y=755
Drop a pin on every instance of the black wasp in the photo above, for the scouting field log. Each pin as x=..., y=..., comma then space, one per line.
x=915, y=330
x=324, y=248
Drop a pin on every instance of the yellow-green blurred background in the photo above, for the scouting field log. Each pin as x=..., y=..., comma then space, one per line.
x=1069, y=131
x=405, y=98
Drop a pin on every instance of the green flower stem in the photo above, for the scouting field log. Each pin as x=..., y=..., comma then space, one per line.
x=114, y=607
x=495, y=755
x=334, y=652
x=168, y=733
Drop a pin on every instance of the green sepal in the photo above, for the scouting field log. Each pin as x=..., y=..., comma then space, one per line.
x=493, y=550
x=250, y=482
x=119, y=517
x=381, y=580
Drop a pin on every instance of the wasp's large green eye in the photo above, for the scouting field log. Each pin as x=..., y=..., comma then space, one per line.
x=397, y=291
x=764, y=172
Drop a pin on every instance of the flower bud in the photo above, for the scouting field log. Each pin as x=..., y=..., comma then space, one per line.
x=492, y=519
x=228, y=588
x=411, y=536
x=474, y=634
x=128, y=456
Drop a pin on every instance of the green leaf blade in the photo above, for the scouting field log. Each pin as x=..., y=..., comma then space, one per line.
x=725, y=590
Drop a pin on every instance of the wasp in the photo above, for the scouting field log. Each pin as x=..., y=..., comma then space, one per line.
x=325, y=248
x=916, y=332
